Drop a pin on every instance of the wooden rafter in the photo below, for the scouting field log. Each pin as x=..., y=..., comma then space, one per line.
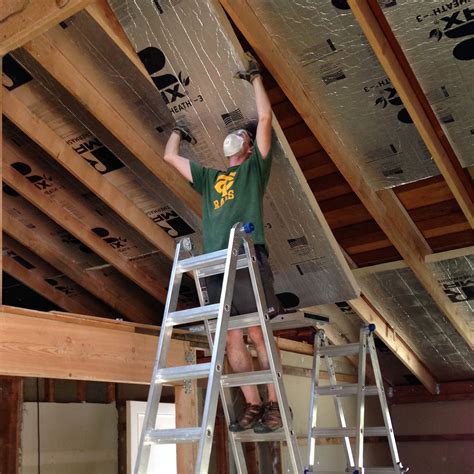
x=110, y=111
x=381, y=38
x=35, y=273
x=56, y=147
x=33, y=344
x=76, y=227
x=121, y=298
x=383, y=205
x=105, y=19
x=22, y=20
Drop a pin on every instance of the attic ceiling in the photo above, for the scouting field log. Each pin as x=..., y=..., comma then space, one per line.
x=87, y=219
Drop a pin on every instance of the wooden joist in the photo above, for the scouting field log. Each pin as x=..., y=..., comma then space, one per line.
x=76, y=227
x=372, y=21
x=35, y=346
x=38, y=275
x=383, y=205
x=22, y=20
x=11, y=401
x=56, y=147
x=120, y=297
x=107, y=108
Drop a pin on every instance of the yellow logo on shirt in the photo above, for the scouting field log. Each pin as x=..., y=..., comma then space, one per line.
x=223, y=187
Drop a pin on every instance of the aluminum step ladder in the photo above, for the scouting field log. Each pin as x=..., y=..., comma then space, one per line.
x=225, y=261
x=355, y=465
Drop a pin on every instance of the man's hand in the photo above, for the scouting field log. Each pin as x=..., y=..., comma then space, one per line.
x=252, y=71
x=184, y=133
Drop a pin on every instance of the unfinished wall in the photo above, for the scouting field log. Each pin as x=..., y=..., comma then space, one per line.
x=441, y=418
x=74, y=438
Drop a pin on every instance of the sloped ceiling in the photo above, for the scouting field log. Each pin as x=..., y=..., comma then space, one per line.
x=89, y=204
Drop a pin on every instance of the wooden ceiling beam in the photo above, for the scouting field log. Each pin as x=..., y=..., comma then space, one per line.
x=76, y=227
x=121, y=298
x=62, y=348
x=373, y=23
x=21, y=21
x=383, y=205
x=35, y=273
x=56, y=147
x=96, y=98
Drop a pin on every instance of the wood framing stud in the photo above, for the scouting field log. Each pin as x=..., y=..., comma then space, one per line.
x=11, y=400
x=22, y=20
x=376, y=29
x=186, y=401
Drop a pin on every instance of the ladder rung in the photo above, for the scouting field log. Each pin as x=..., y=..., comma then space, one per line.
x=247, y=378
x=209, y=263
x=367, y=470
x=249, y=436
x=345, y=390
x=339, y=351
x=379, y=470
x=174, y=436
x=348, y=432
x=184, y=372
x=192, y=315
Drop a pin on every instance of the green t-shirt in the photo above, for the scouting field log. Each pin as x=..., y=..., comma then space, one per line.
x=232, y=196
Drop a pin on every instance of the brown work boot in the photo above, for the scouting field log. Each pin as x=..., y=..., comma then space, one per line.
x=250, y=416
x=271, y=419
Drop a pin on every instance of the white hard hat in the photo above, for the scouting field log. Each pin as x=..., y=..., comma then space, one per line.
x=233, y=144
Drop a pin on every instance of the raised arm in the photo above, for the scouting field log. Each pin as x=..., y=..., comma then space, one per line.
x=172, y=155
x=264, y=111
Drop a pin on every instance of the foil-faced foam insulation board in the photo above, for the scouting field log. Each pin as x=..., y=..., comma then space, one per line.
x=323, y=43
x=456, y=277
x=191, y=53
x=399, y=294
x=92, y=142
x=51, y=179
x=437, y=37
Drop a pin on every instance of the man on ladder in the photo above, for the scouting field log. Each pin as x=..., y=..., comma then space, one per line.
x=236, y=195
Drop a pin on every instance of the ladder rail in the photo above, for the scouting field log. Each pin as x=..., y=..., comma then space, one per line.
x=359, y=444
x=313, y=400
x=154, y=395
x=237, y=451
x=210, y=404
x=383, y=403
x=339, y=410
x=274, y=360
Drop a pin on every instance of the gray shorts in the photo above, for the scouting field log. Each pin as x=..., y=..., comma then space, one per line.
x=243, y=301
